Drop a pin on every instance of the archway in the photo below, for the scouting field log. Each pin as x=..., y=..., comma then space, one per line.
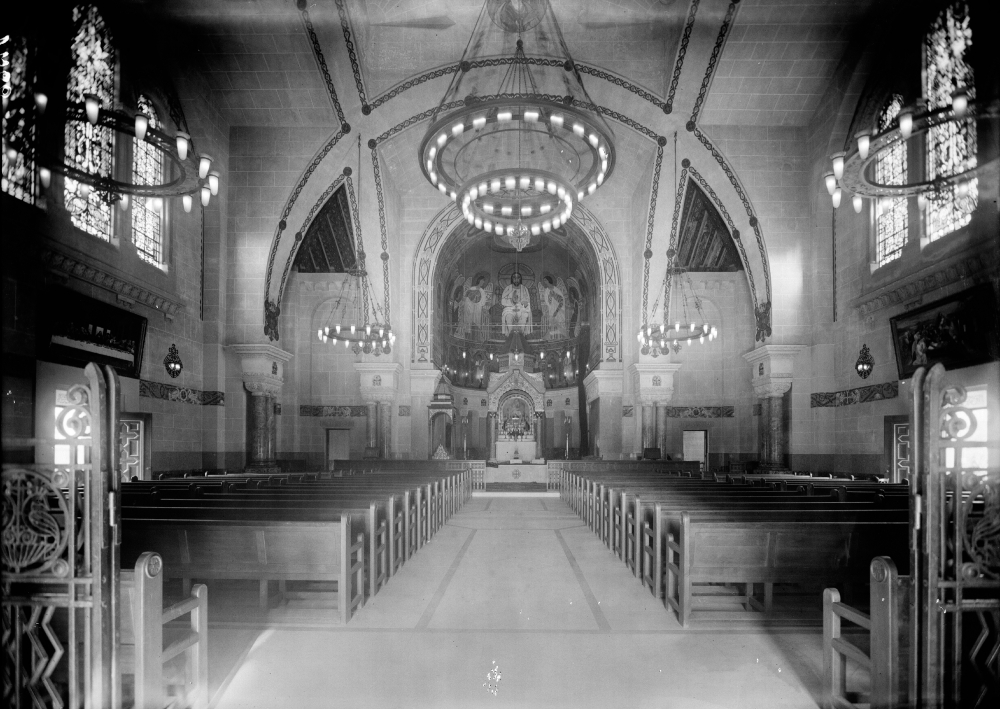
x=596, y=285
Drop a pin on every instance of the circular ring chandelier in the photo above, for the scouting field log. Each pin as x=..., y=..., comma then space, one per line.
x=191, y=174
x=677, y=328
x=516, y=142
x=520, y=200
x=355, y=328
x=854, y=172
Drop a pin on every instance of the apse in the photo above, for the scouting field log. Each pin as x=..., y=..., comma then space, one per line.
x=543, y=298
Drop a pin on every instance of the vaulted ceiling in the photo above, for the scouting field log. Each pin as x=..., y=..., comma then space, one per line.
x=776, y=59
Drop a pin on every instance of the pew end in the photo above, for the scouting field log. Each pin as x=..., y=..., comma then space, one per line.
x=141, y=650
x=890, y=599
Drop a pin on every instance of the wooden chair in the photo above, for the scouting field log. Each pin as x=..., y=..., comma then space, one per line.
x=141, y=650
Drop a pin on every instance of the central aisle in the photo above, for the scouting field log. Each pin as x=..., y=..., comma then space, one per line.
x=522, y=585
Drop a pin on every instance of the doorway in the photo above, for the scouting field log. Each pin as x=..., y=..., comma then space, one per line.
x=696, y=446
x=338, y=445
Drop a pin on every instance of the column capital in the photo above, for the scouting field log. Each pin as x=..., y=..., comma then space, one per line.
x=423, y=382
x=602, y=382
x=653, y=382
x=262, y=366
x=772, y=368
x=379, y=381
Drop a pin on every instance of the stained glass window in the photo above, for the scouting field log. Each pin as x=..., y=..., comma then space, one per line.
x=18, y=169
x=90, y=148
x=951, y=147
x=890, y=169
x=147, y=169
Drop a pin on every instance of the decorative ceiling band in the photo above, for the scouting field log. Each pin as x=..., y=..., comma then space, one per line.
x=720, y=42
x=763, y=311
x=647, y=254
x=733, y=231
x=367, y=108
x=681, y=53
x=271, y=310
x=321, y=61
x=382, y=228
x=345, y=25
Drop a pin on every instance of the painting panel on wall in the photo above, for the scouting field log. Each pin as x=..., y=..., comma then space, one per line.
x=957, y=331
x=76, y=329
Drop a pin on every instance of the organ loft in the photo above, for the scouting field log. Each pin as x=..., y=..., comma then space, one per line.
x=537, y=352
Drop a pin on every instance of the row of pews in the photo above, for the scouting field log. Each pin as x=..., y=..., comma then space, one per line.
x=353, y=533
x=688, y=537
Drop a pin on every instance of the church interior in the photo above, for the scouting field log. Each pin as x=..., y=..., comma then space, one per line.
x=538, y=352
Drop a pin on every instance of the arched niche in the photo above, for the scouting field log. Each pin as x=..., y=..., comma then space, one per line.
x=582, y=240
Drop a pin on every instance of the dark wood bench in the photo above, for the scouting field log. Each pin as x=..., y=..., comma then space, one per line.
x=751, y=552
x=201, y=547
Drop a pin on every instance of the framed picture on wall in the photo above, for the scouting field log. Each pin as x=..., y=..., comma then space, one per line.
x=957, y=331
x=76, y=329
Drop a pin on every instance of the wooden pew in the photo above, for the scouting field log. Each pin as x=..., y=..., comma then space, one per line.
x=261, y=550
x=889, y=604
x=141, y=651
x=756, y=551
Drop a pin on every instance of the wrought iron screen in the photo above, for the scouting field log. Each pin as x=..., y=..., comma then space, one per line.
x=956, y=548
x=60, y=561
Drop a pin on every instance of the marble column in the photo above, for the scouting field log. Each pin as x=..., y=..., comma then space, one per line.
x=383, y=439
x=378, y=382
x=648, y=425
x=262, y=367
x=262, y=432
x=661, y=428
x=771, y=373
x=653, y=389
x=371, y=434
x=491, y=435
x=539, y=431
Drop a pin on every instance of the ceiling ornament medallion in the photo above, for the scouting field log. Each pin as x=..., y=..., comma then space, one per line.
x=518, y=152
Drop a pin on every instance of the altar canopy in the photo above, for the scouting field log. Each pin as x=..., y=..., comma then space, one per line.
x=516, y=406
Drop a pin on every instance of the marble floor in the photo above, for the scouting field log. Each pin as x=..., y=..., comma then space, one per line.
x=514, y=603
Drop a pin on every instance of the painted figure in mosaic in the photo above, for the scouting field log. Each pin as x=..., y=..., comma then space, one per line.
x=516, y=301
x=554, y=308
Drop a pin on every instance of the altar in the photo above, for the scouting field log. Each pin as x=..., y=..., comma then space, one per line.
x=517, y=473
x=516, y=409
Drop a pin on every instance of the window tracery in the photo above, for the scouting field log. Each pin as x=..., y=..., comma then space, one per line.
x=891, y=220
x=147, y=213
x=90, y=148
x=18, y=169
x=951, y=147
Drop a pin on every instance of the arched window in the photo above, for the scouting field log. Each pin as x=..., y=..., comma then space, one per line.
x=951, y=147
x=90, y=148
x=147, y=214
x=18, y=169
x=890, y=169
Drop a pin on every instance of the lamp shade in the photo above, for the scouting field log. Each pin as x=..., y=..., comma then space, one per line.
x=183, y=142
x=864, y=142
x=831, y=182
x=204, y=164
x=141, y=125
x=92, y=103
x=838, y=165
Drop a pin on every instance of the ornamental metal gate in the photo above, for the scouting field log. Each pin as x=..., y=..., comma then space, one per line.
x=955, y=508
x=60, y=546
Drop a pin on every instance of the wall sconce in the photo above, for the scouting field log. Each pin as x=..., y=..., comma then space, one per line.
x=865, y=363
x=172, y=362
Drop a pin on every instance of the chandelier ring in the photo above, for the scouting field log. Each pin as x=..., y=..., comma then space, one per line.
x=186, y=171
x=857, y=171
